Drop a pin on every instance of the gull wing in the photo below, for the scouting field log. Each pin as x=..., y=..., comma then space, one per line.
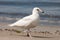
x=24, y=21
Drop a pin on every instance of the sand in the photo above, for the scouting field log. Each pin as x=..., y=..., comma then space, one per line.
x=36, y=36
x=38, y=33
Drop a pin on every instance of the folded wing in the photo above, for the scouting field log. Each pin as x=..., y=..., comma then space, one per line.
x=24, y=21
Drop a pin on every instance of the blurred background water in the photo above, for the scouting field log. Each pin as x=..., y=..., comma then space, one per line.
x=11, y=11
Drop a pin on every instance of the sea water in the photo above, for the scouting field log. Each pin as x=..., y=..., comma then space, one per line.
x=13, y=11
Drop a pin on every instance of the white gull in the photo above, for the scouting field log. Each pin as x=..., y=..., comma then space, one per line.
x=30, y=21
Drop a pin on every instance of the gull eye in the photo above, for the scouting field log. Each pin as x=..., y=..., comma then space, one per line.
x=37, y=9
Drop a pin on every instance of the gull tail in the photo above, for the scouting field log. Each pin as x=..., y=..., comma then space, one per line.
x=6, y=26
x=11, y=25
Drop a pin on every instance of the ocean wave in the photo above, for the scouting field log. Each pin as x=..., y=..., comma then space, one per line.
x=43, y=22
x=29, y=3
x=8, y=18
x=26, y=14
x=15, y=19
x=49, y=21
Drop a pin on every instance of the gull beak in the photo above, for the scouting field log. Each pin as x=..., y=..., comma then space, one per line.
x=42, y=11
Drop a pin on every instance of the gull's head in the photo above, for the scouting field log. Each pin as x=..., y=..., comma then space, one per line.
x=37, y=10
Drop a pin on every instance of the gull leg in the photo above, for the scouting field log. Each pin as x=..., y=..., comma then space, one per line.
x=28, y=33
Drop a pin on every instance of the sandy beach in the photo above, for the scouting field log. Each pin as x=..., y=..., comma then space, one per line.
x=38, y=33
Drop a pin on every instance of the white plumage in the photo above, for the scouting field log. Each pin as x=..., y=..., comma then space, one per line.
x=30, y=21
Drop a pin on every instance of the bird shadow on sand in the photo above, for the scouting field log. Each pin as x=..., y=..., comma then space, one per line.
x=41, y=37
x=35, y=36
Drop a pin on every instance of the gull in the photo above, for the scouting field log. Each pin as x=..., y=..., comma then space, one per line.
x=30, y=21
